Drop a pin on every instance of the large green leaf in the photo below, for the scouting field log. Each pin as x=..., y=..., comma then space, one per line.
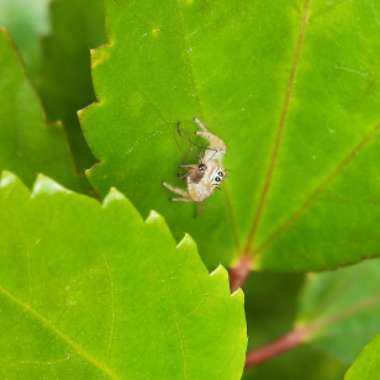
x=340, y=310
x=90, y=291
x=290, y=85
x=27, y=144
x=367, y=365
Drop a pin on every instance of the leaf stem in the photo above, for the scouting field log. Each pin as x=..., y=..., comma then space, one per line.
x=240, y=272
x=281, y=345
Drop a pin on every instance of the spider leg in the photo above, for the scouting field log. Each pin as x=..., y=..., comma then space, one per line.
x=176, y=190
x=215, y=143
x=178, y=127
x=182, y=175
x=188, y=169
x=182, y=200
x=200, y=125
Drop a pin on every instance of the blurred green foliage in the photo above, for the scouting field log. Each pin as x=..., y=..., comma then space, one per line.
x=292, y=88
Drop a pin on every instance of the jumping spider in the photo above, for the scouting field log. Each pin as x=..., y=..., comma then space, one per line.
x=206, y=176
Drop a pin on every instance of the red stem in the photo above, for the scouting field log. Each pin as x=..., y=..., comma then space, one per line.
x=279, y=346
x=239, y=273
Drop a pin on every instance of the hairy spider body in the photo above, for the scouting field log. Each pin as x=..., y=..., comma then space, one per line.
x=206, y=176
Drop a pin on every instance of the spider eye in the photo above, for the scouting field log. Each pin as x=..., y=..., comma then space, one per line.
x=202, y=167
x=217, y=179
x=220, y=174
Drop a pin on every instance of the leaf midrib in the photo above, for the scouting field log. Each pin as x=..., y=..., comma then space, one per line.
x=274, y=153
x=316, y=325
x=56, y=332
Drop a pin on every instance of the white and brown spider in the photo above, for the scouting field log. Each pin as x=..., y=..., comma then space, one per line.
x=205, y=176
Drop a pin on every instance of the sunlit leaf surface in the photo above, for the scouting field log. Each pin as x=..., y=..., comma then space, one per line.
x=91, y=291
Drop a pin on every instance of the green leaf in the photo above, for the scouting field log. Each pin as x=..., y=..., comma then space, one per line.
x=290, y=86
x=301, y=363
x=54, y=39
x=64, y=76
x=27, y=21
x=27, y=144
x=339, y=311
x=64, y=79
x=271, y=307
x=367, y=365
x=90, y=291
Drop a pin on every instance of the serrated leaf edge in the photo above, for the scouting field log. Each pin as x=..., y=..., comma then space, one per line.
x=46, y=185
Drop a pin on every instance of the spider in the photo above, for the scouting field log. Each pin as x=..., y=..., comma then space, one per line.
x=206, y=176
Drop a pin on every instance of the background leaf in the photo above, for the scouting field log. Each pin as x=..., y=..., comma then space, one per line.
x=27, y=144
x=338, y=312
x=54, y=38
x=291, y=86
x=303, y=362
x=340, y=309
x=271, y=308
x=98, y=293
x=367, y=365
x=64, y=77
x=27, y=21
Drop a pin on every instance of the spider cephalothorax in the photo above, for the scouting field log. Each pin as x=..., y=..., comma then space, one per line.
x=205, y=176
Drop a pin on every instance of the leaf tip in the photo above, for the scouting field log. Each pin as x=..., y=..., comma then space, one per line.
x=158, y=221
x=220, y=275
x=82, y=114
x=99, y=55
x=238, y=295
x=187, y=242
x=113, y=195
x=46, y=185
x=220, y=270
x=87, y=110
x=7, y=179
x=116, y=201
x=153, y=217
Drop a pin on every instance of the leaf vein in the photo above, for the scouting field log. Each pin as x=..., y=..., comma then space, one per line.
x=357, y=308
x=280, y=128
x=49, y=326
x=319, y=189
x=112, y=298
